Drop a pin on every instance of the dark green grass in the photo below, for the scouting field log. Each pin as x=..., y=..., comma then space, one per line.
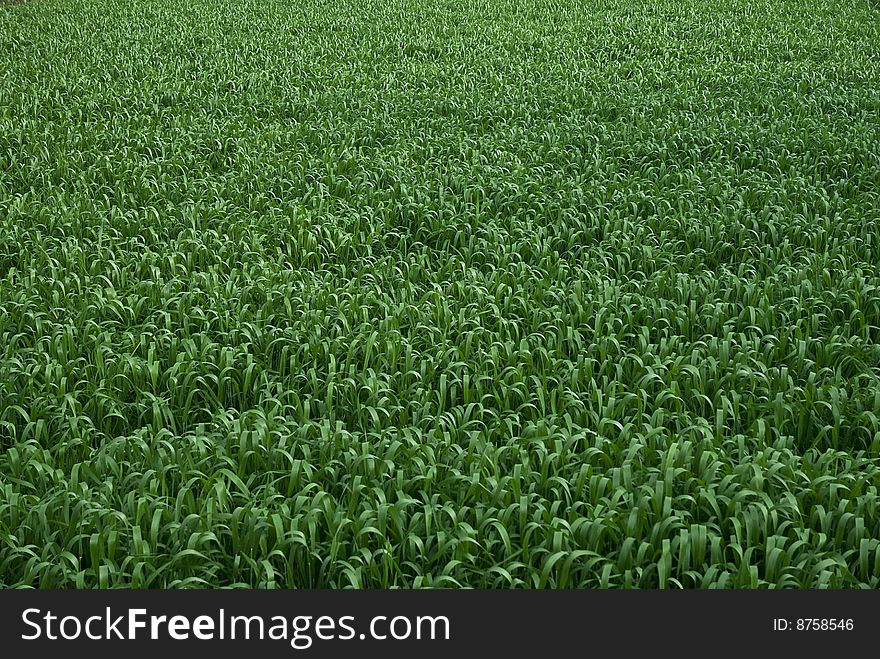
x=440, y=293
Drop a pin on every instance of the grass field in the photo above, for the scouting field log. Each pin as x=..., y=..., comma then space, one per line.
x=432, y=293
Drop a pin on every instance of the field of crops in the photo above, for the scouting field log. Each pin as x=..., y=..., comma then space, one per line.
x=440, y=293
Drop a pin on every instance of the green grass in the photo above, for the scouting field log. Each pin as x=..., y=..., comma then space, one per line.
x=429, y=293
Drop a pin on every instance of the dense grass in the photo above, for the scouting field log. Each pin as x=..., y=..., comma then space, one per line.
x=440, y=293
